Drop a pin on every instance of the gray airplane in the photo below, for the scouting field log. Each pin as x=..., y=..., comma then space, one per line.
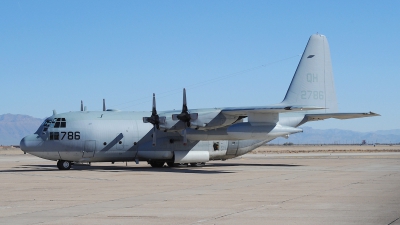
x=195, y=136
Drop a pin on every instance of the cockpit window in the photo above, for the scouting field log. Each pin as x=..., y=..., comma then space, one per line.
x=46, y=125
x=60, y=123
x=63, y=123
x=54, y=123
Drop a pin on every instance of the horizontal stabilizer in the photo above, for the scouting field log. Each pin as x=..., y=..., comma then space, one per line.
x=341, y=116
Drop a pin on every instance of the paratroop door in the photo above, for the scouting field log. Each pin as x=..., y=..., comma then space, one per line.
x=90, y=148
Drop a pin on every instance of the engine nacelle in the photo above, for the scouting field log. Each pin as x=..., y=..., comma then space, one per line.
x=205, y=119
x=262, y=131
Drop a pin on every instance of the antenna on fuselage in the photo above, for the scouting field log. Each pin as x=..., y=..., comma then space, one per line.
x=54, y=112
x=104, y=104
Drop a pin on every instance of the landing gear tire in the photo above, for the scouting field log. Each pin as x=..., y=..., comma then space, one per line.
x=172, y=164
x=200, y=164
x=157, y=164
x=64, y=165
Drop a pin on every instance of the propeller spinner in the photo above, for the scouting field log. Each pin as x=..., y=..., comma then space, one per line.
x=154, y=119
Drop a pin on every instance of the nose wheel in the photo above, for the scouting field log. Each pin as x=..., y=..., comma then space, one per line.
x=63, y=165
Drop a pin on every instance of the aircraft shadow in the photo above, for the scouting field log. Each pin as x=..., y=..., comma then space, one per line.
x=115, y=168
x=252, y=164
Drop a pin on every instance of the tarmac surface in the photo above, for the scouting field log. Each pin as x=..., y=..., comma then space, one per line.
x=306, y=188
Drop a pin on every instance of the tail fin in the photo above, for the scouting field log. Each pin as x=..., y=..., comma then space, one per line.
x=312, y=83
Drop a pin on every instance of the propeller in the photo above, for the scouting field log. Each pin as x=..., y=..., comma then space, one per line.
x=185, y=116
x=154, y=119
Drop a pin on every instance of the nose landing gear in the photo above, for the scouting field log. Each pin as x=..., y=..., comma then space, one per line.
x=63, y=165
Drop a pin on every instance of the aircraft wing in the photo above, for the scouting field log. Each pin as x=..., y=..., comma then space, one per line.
x=341, y=116
x=244, y=111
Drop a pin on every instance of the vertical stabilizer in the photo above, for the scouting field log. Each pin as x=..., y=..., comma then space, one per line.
x=312, y=83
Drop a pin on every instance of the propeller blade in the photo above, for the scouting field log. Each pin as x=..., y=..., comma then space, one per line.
x=81, y=105
x=154, y=110
x=104, y=104
x=184, y=106
x=184, y=137
x=185, y=116
x=154, y=119
x=154, y=136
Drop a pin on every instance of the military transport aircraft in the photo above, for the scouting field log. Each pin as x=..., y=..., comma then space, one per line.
x=191, y=136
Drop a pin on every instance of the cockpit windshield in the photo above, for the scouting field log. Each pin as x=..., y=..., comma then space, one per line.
x=60, y=123
x=54, y=123
x=46, y=125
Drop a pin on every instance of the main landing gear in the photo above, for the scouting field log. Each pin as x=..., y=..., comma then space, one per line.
x=64, y=165
x=158, y=164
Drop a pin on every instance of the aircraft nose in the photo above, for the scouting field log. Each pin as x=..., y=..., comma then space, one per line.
x=23, y=144
x=29, y=143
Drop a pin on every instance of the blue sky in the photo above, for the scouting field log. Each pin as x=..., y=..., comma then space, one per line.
x=55, y=53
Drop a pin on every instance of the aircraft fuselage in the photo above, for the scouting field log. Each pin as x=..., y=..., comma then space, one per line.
x=89, y=136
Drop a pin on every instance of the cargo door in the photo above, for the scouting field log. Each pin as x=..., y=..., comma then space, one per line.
x=232, y=147
x=90, y=148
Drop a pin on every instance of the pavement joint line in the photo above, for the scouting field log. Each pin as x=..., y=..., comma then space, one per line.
x=226, y=215
x=394, y=221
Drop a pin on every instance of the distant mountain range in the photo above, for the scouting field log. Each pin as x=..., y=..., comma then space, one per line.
x=14, y=127
x=337, y=136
